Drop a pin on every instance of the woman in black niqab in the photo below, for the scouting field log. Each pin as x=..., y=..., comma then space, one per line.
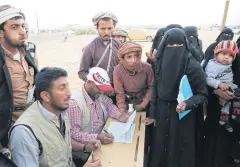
x=221, y=147
x=158, y=38
x=176, y=141
x=195, y=53
x=192, y=34
x=226, y=34
x=171, y=26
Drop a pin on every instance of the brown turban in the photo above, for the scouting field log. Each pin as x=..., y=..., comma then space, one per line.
x=129, y=47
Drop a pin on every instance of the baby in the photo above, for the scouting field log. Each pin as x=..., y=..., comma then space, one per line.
x=220, y=75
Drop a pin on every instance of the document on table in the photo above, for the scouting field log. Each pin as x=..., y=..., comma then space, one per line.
x=123, y=132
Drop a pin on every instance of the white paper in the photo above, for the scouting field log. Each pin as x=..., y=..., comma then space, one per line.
x=117, y=129
x=30, y=94
x=127, y=137
x=131, y=117
x=123, y=132
x=180, y=98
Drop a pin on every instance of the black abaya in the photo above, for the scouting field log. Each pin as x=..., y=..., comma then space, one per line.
x=221, y=147
x=192, y=34
x=176, y=142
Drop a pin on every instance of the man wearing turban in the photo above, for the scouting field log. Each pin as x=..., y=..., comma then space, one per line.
x=102, y=51
x=17, y=70
x=17, y=67
x=120, y=35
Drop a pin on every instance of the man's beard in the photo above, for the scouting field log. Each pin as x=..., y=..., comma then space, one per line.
x=9, y=42
x=106, y=38
x=94, y=95
x=57, y=107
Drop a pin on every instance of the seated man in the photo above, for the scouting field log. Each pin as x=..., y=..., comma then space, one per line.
x=41, y=136
x=89, y=109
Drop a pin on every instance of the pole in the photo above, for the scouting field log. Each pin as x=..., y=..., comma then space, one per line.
x=37, y=23
x=225, y=13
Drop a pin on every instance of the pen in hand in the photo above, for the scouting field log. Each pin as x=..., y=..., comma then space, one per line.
x=92, y=156
x=105, y=131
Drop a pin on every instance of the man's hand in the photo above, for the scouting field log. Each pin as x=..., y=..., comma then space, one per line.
x=105, y=138
x=223, y=86
x=123, y=117
x=149, y=121
x=226, y=95
x=92, y=145
x=95, y=163
x=181, y=107
x=138, y=107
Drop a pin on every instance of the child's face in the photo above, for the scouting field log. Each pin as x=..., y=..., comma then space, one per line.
x=224, y=58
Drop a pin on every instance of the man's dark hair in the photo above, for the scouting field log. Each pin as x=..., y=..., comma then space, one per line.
x=45, y=78
x=107, y=19
x=5, y=7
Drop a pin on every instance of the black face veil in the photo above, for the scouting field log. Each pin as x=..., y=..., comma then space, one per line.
x=192, y=35
x=226, y=34
x=171, y=63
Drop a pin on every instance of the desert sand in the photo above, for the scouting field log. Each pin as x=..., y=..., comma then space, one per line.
x=52, y=51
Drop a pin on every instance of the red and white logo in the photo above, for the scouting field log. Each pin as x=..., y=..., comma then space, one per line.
x=99, y=79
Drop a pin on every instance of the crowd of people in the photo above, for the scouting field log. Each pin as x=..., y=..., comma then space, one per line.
x=43, y=124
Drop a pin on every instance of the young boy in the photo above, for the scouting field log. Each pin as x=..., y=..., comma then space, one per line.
x=220, y=75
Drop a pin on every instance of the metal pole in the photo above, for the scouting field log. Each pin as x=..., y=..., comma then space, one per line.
x=225, y=13
x=37, y=23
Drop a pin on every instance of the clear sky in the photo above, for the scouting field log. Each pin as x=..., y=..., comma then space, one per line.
x=53, y=13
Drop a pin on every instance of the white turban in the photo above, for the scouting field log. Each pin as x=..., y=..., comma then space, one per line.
x=103, y=15
x=10, y=13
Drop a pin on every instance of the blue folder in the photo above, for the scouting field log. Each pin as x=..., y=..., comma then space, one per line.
x=185, y=92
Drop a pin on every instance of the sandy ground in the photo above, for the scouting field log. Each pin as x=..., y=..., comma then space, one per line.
x=52, y=51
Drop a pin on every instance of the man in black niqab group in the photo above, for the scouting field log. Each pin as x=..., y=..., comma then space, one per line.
x=176, y=142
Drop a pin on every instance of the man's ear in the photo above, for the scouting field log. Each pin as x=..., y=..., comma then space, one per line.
x=45, y=96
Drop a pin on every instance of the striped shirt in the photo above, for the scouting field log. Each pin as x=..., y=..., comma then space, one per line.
x=75, y=115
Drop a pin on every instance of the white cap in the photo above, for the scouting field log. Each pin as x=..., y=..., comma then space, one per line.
x=100, y=77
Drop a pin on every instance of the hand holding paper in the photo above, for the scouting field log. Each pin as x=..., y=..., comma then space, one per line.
x=123, y=132
x=181, y=107
x=123, y=117
x=185, y=92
